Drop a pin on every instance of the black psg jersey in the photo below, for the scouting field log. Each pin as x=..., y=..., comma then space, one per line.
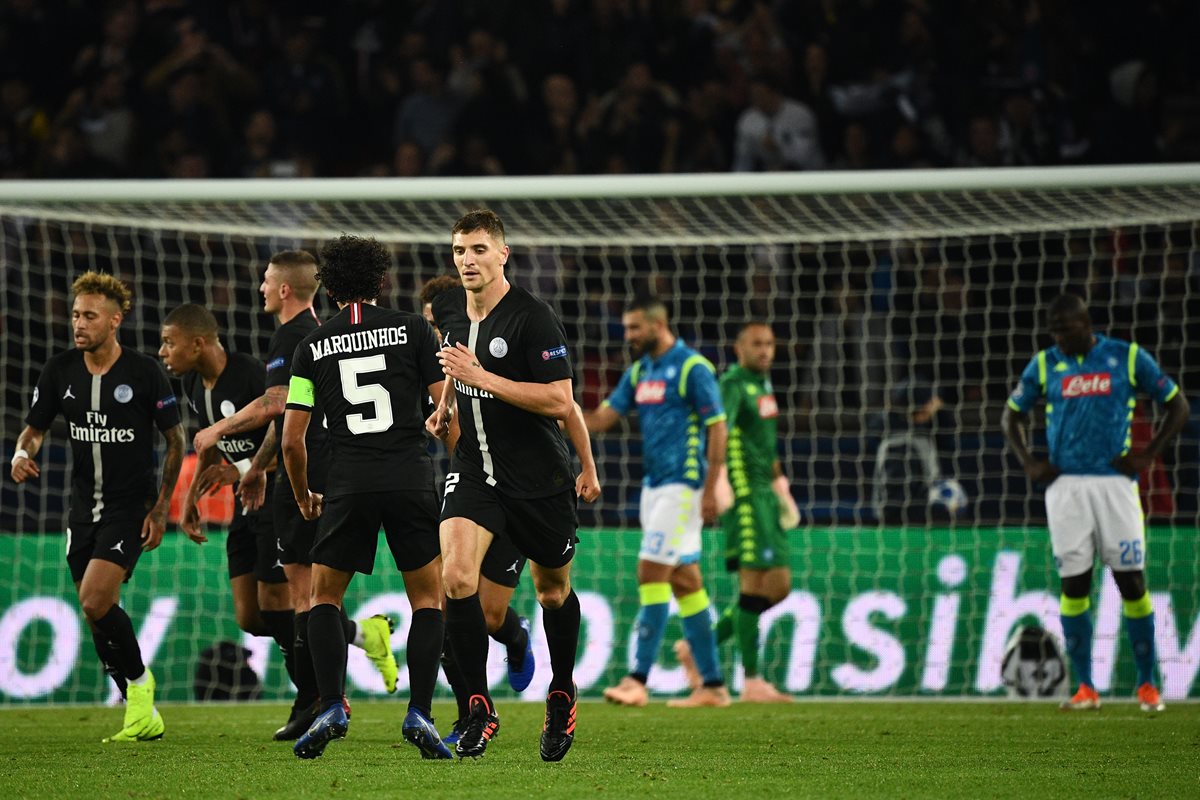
x=284, y=341
x=522, y=454
x=370, y=369
x=239, y=384
x=111, y=420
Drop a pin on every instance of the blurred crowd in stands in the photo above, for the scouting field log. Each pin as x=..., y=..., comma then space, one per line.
x=253, y=88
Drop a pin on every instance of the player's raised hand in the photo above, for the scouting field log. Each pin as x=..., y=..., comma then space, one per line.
x=216, y=476
x=189, y=523
x=252, y=491
x=461, y=364
x=587, y=485
x=24, y=468
x=153, y=527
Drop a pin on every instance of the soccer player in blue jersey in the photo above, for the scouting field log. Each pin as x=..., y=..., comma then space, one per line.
x=1089, y=383
x=678, y=401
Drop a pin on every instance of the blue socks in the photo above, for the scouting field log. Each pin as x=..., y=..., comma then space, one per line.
x=698, y=630
x=694, y=609
x=1077, y=630
x=651, y=624
x=1139, y=624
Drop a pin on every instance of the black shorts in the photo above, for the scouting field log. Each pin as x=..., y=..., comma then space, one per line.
x=118, y=539
x=295, y=533
x=253, y=547
x=540, y=528
x=503, y=562
x=350, y=524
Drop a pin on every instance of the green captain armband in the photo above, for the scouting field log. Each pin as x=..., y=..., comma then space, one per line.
x=300, y=392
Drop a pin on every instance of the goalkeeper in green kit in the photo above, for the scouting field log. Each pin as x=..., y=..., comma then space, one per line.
x=762, y=509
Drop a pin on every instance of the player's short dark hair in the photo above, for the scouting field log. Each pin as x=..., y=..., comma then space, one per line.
x=754, y=324
x=436, y=286
x=352, y=268
x=1067, y=305
x=194, y=319
x=481, y=219
x=105, y=284
x=649, y=305
x=301, y=269
x=293, y=258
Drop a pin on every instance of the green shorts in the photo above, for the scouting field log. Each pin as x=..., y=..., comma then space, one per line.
x=753, y=536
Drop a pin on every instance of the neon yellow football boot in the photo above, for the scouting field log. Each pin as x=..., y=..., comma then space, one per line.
x=377, y=643
x=143, y=731
x=142, y=720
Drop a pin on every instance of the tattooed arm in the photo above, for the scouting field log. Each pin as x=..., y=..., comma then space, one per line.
x=156, y=521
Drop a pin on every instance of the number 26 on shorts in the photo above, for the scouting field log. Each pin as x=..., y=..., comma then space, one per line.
x=1131, y=552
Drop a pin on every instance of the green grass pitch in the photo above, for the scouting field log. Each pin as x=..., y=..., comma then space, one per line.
x=809, y=749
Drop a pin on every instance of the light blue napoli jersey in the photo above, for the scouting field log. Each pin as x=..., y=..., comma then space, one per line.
x=677, y=398
x=1090, y=401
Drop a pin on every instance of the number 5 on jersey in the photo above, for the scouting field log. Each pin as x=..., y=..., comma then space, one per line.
x=359, y=394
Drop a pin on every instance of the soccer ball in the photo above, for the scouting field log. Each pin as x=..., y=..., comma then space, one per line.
x=949, y=494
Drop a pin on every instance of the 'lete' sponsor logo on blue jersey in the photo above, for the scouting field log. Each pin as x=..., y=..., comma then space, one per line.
x=1090, y=401
x=677, y=398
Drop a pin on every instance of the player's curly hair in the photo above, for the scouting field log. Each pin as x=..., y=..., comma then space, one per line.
x=435, y=286
x=105, y=284
x=352, y=268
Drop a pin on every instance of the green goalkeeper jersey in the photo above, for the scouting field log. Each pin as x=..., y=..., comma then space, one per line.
x=751, y=411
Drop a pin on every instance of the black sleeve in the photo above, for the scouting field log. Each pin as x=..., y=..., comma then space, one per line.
x=164, y=404
x=427, y=347
x=279, y=360
x=437, y=308
x=188, y=384
x=46, y=399
x=545, y=343
x=443, y=310
x=255, y=377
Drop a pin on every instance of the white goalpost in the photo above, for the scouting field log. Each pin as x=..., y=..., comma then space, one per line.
x=883, y=288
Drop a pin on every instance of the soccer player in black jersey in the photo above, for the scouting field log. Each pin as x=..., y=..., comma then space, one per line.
x=499, y=575
x=216, y=384
x=371, y=370
x=288, y=289
x=112, y=399
x=508, y=373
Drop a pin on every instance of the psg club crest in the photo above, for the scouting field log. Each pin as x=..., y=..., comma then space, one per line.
x=123, y=393
x=498, y=347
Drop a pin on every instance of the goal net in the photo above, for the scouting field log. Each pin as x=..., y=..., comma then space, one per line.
x=905, y=306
